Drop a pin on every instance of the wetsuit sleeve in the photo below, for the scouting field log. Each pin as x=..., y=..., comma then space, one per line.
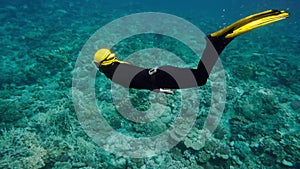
x=129, y=76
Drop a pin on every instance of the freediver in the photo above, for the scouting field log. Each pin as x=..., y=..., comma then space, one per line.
x=164, y=78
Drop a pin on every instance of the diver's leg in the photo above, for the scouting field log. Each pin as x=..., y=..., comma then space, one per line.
x=175, y=78
x=217, y=41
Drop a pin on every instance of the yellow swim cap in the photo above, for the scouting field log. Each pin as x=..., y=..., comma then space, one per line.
x=104, y=57
x=101, y=55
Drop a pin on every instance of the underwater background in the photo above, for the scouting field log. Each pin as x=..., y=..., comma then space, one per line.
x=40, y=42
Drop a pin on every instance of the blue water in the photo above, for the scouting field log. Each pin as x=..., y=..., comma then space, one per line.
x=40, y=128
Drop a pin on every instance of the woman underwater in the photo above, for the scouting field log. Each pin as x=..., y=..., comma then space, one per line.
x=163, y=78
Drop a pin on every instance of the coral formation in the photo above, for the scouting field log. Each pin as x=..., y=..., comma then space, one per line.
x=40, y=42
x=21, y=149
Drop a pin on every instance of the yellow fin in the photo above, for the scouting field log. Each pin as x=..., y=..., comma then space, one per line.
x=251, y=22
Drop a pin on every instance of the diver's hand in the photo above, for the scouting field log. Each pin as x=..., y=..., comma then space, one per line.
x=167, y=91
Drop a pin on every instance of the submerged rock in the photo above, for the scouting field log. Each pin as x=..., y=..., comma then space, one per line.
x=295, y=105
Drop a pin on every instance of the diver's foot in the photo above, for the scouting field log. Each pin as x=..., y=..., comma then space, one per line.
x=249, y=23
x=166, y=91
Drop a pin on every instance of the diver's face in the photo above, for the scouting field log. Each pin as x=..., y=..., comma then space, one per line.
x=97, y=64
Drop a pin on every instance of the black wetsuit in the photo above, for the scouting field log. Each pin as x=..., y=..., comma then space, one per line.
x=131, y=76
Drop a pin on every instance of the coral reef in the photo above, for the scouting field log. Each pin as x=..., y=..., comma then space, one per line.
x=40, y=42
x=21, y=149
